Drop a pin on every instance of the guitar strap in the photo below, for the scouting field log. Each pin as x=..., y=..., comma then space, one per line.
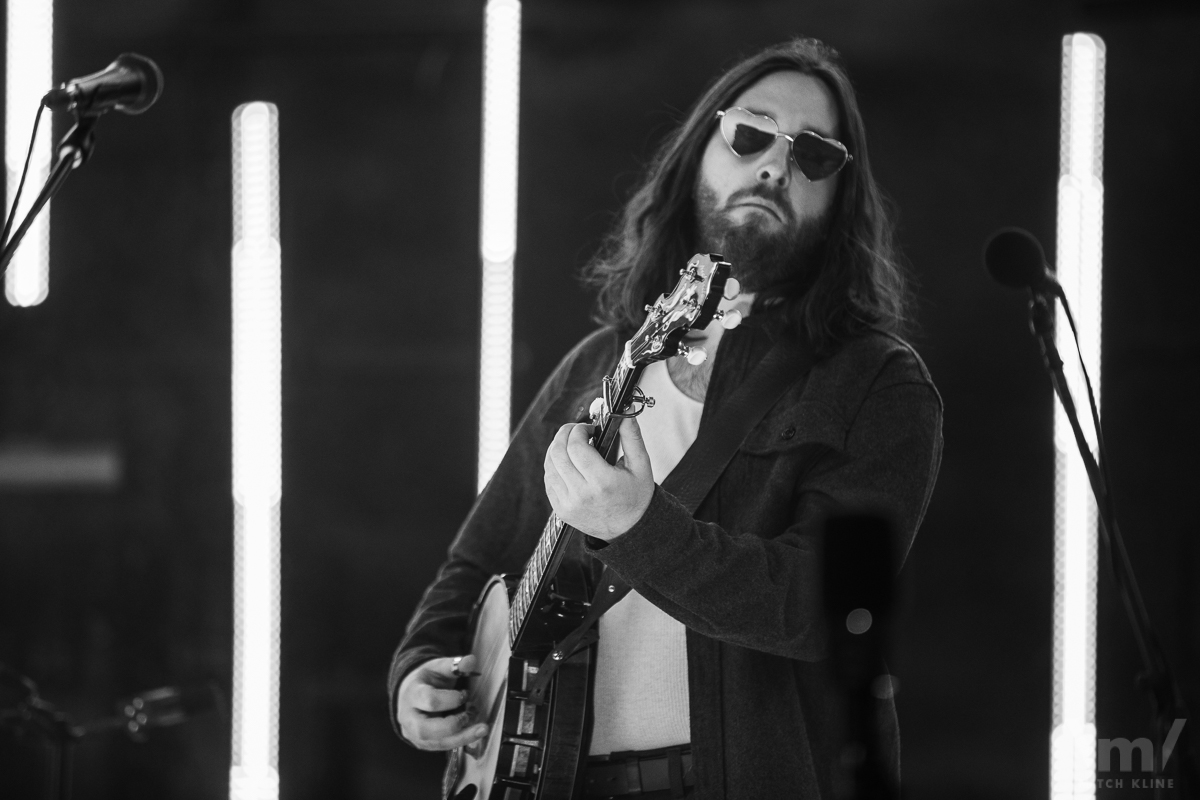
x=718, y=439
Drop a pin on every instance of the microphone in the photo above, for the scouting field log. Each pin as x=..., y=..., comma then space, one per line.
x=130, y=84
x=1014, y=257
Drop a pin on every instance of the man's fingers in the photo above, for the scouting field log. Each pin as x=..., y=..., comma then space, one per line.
x=559, y=458
x=429, y=699
x=556, y=490
x=637, y=459
x=433, y=714
x=446, y=733
x=440, y=672
x=464, y=738
x=582, y=454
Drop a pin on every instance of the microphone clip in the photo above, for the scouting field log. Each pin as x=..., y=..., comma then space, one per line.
x=1041, y=314
x=1041, y=324
x=78, y=142
x=73, y=151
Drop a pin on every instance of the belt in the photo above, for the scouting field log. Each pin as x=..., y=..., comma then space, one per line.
x=629, y=774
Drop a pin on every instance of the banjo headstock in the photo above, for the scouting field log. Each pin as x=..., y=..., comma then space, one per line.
x=692, y=304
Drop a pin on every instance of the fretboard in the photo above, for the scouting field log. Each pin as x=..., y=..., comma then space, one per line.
x=531, y=581
x=618, y=389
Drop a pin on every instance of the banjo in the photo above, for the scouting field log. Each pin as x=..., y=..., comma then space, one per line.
x=537, y=738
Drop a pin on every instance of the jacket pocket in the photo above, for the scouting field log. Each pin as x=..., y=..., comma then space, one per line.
x=791, y=426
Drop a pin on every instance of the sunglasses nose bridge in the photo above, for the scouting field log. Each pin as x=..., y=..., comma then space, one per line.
x=791, y=153
x=774, y=165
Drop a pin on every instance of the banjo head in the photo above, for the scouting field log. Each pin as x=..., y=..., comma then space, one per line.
x=470, y=770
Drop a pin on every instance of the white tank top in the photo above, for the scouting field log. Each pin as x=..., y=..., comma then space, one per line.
x=641, y=693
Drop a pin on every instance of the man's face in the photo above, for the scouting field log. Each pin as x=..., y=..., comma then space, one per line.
x=759, y=211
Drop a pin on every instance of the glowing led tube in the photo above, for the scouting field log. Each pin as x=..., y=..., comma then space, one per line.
x=257, y=480
x=498, y=226
x=1080, y=203
x=28, y=69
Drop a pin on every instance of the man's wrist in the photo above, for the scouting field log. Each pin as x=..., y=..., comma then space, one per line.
x=629, y=521
x=640, y=545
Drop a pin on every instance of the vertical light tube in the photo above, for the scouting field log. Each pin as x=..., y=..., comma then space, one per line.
x=29, y=61
x=257, y=479
x=498, y=226
x=1080, y=207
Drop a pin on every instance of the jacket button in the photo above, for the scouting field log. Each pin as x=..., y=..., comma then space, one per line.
x=788, y=432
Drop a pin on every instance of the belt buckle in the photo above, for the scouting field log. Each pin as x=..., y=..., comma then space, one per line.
x=634, y=773
x=654, y=773
x=633, y=776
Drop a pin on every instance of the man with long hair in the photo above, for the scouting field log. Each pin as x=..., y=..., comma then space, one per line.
x=711, y=676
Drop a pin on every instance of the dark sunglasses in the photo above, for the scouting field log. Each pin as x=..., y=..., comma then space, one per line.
x=748, y=133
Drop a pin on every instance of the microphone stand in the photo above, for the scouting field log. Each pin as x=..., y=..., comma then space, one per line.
x=60, y=732
x=138, y=715
x=73, y=151
x=1162, y=691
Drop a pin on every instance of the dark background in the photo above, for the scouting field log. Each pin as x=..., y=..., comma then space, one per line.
x=106, y=593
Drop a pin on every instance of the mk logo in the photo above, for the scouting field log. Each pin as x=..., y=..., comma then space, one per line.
x=1104, y=748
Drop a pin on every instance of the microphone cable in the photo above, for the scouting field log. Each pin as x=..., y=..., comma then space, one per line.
x=24, y=172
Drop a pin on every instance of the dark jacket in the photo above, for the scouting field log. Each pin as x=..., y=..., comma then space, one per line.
x=862, y=430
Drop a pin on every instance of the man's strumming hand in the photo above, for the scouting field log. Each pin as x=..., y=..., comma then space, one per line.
x=433, y=715
x=589, y=494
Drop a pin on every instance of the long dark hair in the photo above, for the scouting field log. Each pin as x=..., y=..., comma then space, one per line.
x=859, y=284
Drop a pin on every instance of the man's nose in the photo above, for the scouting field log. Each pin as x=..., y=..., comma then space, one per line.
x=774, y=165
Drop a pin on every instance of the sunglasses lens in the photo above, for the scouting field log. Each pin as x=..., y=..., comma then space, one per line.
x=745, y=134
x=816, y=157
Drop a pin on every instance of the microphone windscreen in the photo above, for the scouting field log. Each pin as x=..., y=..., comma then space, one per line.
x=1014, y=257
x=150, y=77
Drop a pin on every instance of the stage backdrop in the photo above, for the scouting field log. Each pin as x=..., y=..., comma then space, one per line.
x=119, y=588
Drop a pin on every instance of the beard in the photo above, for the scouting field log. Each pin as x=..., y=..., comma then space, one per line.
x=777, y=262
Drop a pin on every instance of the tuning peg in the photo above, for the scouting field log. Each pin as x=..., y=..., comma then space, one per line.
x=694, y=355
x=730, y=319
x=732, y=288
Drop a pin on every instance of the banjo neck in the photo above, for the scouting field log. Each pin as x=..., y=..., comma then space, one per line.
x=621, y=392
x=691, y=304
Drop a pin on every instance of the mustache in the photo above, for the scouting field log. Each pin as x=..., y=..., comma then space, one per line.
x=776, y=195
